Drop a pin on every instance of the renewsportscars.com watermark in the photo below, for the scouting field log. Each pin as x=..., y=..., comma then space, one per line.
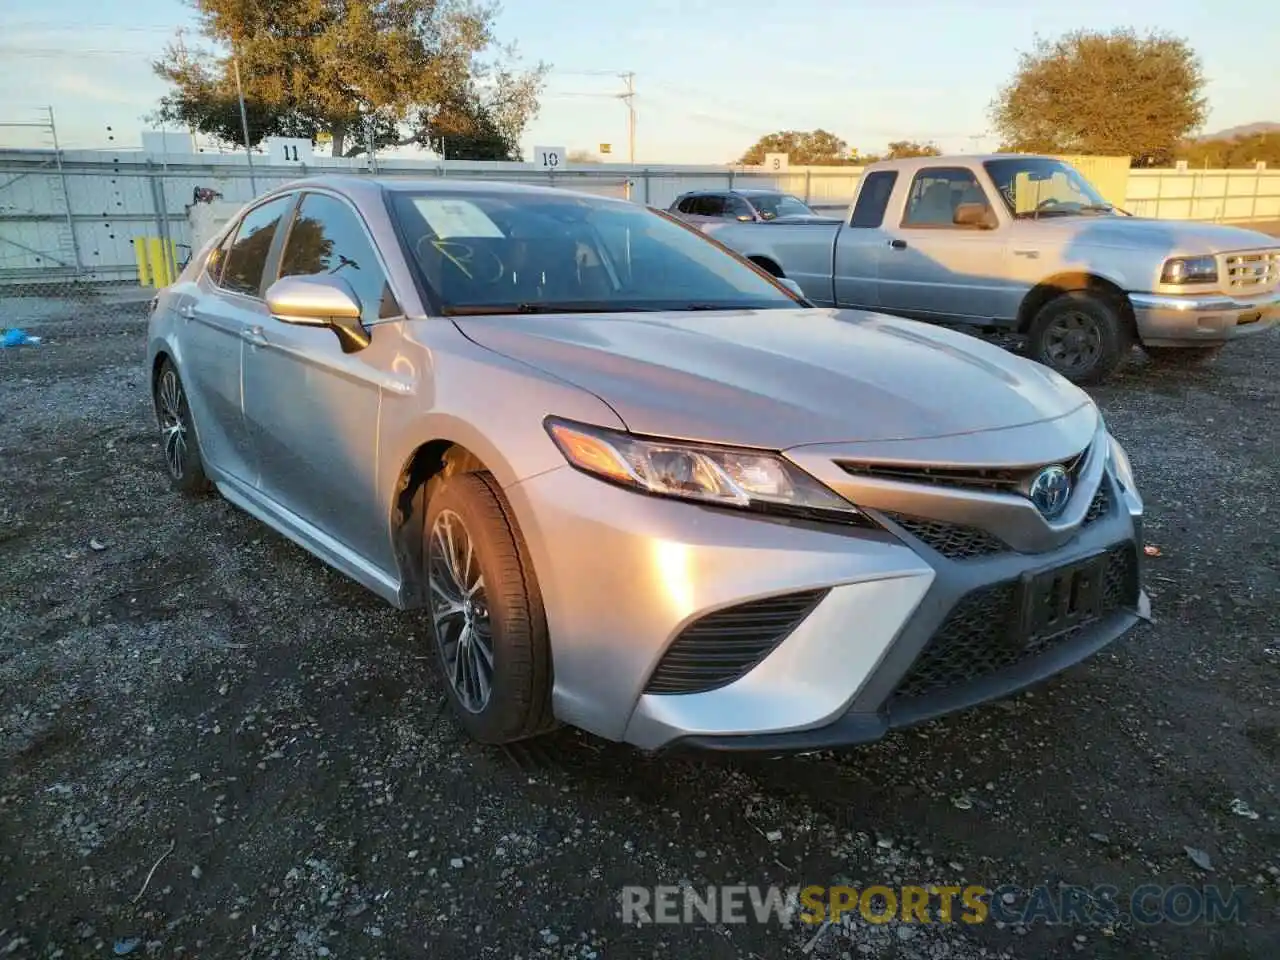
x=1098, y=906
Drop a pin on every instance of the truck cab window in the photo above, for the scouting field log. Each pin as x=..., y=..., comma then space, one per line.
x=935, y=194
x=873, y=199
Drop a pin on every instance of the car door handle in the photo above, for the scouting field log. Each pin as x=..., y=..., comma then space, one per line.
x=188, y=312
x=898, y=244
x=253, y=335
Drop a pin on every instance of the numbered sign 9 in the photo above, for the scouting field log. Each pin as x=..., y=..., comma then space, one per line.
x=549, y=158
x=289, y=149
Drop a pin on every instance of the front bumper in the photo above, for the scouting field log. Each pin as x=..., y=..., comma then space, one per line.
x=624, y=576
x=1174, y=321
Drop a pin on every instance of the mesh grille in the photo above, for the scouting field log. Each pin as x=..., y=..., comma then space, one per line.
x=723, y=646
x=953, y=541
x=980, y=636
x=1099, y=506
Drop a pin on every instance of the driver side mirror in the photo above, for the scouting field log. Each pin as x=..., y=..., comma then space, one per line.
x=976, y=215
x=323, y=301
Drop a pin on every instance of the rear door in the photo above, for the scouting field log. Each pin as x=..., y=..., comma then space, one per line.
x=215, y=326
x=862, y=242
x=312, y=410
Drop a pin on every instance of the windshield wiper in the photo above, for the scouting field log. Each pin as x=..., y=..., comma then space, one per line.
x=572, y=306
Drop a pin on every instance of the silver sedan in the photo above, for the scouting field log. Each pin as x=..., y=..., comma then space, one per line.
x=633, y=483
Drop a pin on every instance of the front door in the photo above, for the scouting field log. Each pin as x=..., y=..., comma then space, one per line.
x=216, y=322
x=312, y=410
x=933, y=267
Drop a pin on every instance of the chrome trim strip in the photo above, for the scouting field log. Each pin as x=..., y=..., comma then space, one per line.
x=1154, y=301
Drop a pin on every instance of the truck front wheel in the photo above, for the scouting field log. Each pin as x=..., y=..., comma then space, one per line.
x=1082, y=335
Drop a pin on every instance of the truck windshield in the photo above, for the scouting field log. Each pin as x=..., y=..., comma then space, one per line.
x=499, y=252
x=1042, y=187
x=775, y=205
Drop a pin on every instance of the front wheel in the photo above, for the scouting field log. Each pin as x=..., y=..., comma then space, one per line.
x=486, y=611
x=1082, y=335
x=1183, y=356
x=178, y=433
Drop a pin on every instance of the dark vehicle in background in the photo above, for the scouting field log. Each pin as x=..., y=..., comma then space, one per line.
x=743, y=206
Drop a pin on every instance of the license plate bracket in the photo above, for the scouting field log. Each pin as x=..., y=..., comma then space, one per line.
x=1056, y=600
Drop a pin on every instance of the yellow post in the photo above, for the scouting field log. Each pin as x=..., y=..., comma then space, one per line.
x=160, y=269
x=173, y=261
x=140, y=252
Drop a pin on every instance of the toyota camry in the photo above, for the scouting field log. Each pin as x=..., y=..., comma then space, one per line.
x=633, y=483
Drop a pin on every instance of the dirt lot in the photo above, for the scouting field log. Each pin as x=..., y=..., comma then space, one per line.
x=213, y=746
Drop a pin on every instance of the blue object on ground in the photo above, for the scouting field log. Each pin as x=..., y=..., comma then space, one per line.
x=17, y=338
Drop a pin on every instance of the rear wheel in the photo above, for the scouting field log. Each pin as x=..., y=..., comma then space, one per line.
x=178, y=433
x=486, y=611
x=1080, y=334
x=1183, y=356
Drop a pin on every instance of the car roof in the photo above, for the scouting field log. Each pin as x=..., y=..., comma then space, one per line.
x=747, y=192
x=368, y=187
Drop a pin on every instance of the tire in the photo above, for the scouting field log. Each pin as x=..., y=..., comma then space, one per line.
x=178, y=440
x=1082, y=335
x=1183, y=356
x=506, y=611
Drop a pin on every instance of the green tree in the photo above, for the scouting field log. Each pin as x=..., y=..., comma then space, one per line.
x=817, y=148
x=351, y=72
x=1239, y=152
x=1117, y=93
x=902, y=149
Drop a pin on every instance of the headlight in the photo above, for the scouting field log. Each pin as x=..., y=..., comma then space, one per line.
x=1190, y=270
x=727, y=477
x=1120, y=463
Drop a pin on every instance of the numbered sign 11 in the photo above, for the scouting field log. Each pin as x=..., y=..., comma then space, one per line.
x=289, y=149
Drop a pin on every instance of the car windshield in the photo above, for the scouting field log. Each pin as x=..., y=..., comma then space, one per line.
x=775, y=205
x=1041, y=187
x=506, y=252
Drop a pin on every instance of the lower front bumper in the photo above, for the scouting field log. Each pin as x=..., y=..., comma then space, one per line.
x=857, y=727
x=1173, y=321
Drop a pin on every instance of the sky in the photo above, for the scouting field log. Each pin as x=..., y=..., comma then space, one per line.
x=711, y=76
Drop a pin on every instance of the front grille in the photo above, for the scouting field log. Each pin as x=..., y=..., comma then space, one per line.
x=1099, y=506
x=981, y=635
x=952, y=540
x=1251, y=271
x=723, y=646
x=986, y=479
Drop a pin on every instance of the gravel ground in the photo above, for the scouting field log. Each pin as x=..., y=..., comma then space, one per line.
x=213, y=746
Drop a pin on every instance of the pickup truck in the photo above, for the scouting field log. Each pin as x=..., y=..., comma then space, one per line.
x=1026, y=245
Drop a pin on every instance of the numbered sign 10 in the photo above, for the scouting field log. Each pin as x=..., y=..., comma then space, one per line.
x=549, y=158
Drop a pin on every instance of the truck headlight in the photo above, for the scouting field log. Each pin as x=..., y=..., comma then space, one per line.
x=1182, y=270
x=750, y=480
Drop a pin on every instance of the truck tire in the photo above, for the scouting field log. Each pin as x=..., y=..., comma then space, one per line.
x=1183, y=356
x=1082, y=335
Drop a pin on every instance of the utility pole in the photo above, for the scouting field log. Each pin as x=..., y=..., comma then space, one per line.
x=629, y=99
x=244, y=126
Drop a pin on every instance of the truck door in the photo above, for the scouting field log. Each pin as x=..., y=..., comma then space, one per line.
x=861, y=243
x=935, y=268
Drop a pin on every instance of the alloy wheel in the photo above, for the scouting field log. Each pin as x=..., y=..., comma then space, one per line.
x=460, y=611
x=172, y=409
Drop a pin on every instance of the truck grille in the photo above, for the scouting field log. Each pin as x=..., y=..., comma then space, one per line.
x=723, y=646
x=980, y=636
x=1251, y=271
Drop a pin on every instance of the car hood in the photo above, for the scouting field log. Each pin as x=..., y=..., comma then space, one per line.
x=780, y=378
x=1167, y=237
